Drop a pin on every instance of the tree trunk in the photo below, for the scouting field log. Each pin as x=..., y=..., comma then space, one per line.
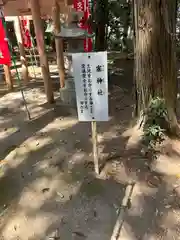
x=58, y=43
x=19, y=37
x=8, y=77
x=100, y=37
x=38, y=27
x=101, y=16
x=126, y=25
x=155, y=61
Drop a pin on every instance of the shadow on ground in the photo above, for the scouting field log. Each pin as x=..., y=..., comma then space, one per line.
x=49, y=190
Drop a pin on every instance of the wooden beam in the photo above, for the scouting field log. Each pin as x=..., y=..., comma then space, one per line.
x=8, y=77
x=58, y=43
x=19, y=36
x=38, y=27
x=12, y=18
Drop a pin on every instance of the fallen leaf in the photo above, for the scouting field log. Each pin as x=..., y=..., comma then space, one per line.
x=60, y=194
x=168, y=206
x=3, y=161
x=95, y=213
x=153, y=181
x=45, y=190
x=80, y=234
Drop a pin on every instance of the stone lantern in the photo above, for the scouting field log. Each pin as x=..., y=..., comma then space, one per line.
x=73, y=38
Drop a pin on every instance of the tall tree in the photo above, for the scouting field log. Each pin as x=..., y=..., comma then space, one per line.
x=120, y=25
x=127, y=24
x=101, y=19
x=155, y=57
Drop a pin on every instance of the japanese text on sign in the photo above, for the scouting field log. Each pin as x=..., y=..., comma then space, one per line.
x=91, y=83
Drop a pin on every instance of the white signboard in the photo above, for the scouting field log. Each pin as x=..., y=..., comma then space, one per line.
x=91, y=83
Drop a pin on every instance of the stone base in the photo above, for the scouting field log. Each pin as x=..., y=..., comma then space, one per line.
x=68, y=94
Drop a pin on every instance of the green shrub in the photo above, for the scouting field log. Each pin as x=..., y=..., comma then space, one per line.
x=156, y=124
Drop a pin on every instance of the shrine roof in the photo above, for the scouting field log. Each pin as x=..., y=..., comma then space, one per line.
x=22, y=7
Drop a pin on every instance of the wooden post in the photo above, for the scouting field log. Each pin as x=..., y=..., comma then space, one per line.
x=58, y=42
x=95, y=147
x=8, y=77
x=126, y=202
x=38, y=27
x=19, y=36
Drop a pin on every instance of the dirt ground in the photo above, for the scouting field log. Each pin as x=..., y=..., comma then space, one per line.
x=48, y=189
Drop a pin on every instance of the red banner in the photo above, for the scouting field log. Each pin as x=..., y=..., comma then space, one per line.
x=79, y=5
x=26, y=33
x=83, y=6
x=5, y=57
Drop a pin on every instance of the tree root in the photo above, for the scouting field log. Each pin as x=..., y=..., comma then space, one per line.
x=174, y=131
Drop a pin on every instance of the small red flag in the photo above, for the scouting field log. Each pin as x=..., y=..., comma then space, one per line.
x=26, y=33
x=83, y=6
x=5, y=57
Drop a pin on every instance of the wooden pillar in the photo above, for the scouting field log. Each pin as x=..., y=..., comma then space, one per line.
x=8, y=77
x=19, y=36
x=58, y=42
x=38, y=27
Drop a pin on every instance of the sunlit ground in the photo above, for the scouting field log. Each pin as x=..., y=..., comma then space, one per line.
x=47, y=183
